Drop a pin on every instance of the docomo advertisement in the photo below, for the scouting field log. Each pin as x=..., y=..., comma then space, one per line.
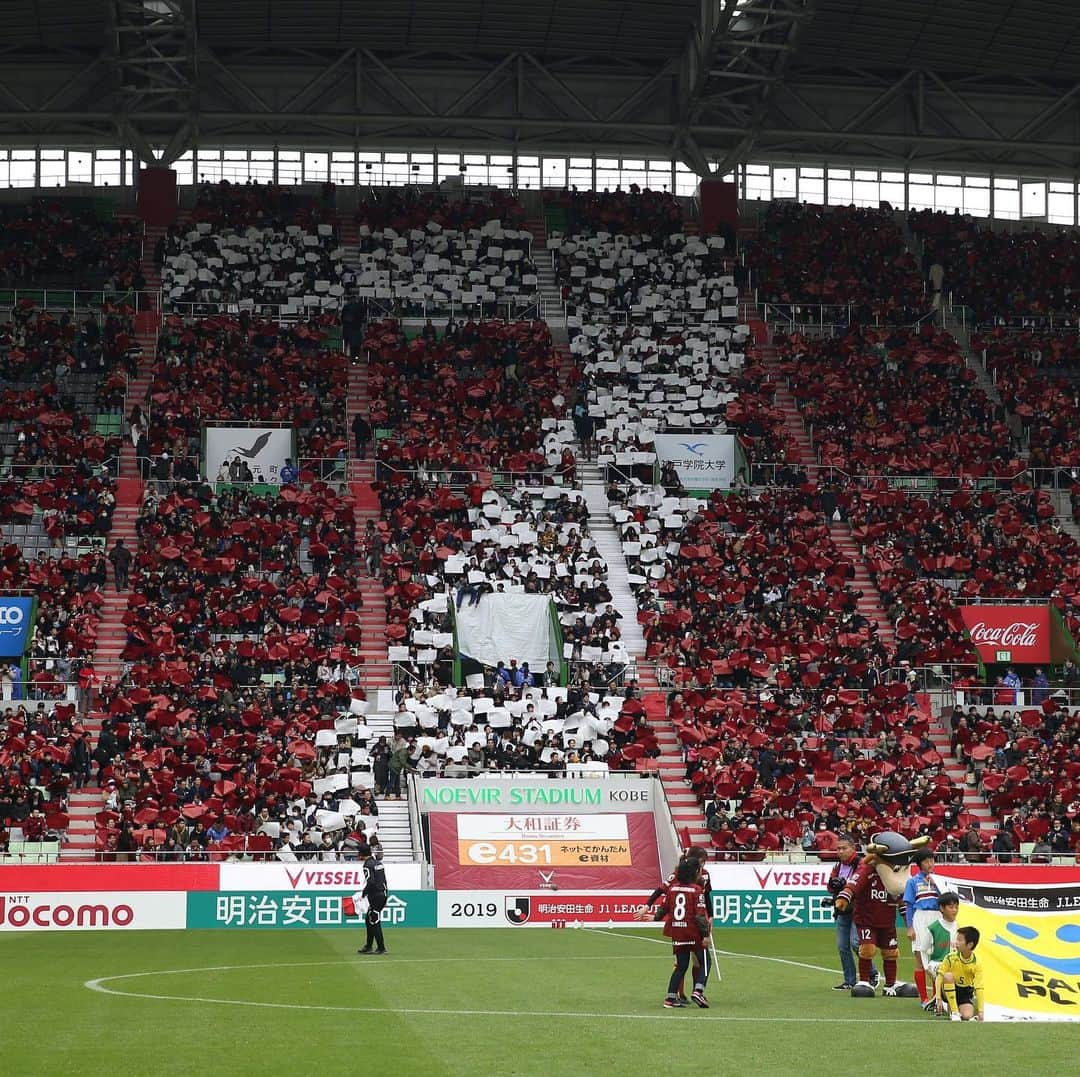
x=534, y=851
x=1029, y=947
x=16, y=623
x=106, y=910
x=263, y=448
x=1020, y=634
x=538, y=908
x=702, y=461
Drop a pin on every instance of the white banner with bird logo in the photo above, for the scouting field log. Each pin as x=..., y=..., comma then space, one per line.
x=263, y=448
x=702, y=461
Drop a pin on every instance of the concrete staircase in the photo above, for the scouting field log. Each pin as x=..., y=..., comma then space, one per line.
x=361, y=474
x=671, y=767
x=545, y=273
x=974, y=803
x=870, y=605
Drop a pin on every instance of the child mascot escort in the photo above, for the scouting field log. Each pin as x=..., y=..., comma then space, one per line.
x=873, y=892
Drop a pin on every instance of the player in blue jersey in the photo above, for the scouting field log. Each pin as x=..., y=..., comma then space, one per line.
x=921, y=895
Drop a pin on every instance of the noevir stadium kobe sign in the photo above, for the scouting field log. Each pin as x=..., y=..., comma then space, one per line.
x=538, y=795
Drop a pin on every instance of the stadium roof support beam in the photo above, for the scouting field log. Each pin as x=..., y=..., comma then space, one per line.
x=732, y=63
x=152, y=50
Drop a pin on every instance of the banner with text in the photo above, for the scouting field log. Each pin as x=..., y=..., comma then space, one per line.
x=564, y=840
x=519, y=794
x=298, y=909
x=88, y=910
x=1029, y=924
x=315, y=877
x=501, y=908
x=702, y=461
x=766, y=895
x=263, y=448
x=1019, y=634
x=17, y=615
x=536, y=851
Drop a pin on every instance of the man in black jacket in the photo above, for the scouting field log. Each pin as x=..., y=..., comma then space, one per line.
x=375, y=893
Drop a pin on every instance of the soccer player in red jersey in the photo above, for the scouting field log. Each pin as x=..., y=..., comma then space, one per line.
x=702, y=957
x=687, y=924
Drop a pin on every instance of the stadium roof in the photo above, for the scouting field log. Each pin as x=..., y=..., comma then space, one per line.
x=975, y=83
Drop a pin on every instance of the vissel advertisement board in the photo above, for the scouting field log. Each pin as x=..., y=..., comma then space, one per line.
x=314, y=877
x=516, y=795
x=768, y=895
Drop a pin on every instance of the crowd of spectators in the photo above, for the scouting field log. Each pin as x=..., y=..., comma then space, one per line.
x=660, y=277
x=444, y=267
x=243, y=635
x=1038, y=377
x=896, y=402
x=839, y=255
x=440, y=550
x=50, y=242
x=412, y=208
x=474, y=400
x=256, y=266
x=1026, y=763
x=634, y=210
x=457, y=733
x=226, y=205
x=926, y=549
x=750, y=588
x=242, y=369
x=1003, y=276
x=777, y=767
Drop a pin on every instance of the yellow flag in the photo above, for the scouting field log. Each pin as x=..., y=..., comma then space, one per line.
x=1030, y=962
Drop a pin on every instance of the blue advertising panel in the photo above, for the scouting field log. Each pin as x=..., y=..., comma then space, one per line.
x=16, y=624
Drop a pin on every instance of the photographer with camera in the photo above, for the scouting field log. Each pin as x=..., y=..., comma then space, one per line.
x=847, y=944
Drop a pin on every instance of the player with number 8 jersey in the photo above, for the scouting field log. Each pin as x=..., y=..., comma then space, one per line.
x=686, y=923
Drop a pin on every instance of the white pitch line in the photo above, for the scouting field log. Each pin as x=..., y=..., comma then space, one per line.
x=92, y=984
x=724, y=953
x=98, y=985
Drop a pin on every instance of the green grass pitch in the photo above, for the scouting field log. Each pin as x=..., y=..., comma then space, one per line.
x=529, y=1001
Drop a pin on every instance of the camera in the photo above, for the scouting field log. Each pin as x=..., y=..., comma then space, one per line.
x=828, y=902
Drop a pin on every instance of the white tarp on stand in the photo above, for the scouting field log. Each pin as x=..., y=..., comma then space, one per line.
x=265, y=448
x=702, y=461
x=507, y=626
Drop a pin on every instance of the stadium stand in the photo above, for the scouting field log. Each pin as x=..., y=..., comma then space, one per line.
x=1001, y=275
x=65, y=243
x=777, y=623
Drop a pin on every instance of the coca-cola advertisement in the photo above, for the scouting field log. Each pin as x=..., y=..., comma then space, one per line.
x=1016, y=634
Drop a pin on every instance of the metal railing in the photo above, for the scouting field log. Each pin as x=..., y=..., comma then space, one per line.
x=1026, y=697
x=79, y=300
x=817, y=318
x=526, y=308
x=109, y=468
x=458, y=478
